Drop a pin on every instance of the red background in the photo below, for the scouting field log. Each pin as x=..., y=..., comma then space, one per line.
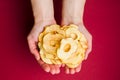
x=102, y=19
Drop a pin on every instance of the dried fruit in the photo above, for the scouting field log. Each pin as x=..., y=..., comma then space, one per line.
x=51, y=42
x=62, y=45
x=74, y=33
x=67, y=48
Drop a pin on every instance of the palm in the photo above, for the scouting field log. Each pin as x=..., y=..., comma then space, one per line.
x=32, y=41
x=83, y=30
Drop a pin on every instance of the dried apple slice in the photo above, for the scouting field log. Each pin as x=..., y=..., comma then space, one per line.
x=67, y=47
x=56, y=61
x=62, y=45
x=46, y=60
x=40, y=40
x=54, y=29
x=73, y=26
x=72, y=65
x=83, y=42
x=65, y=27
x=51, y=42
x=74, y=33
x=77, y=57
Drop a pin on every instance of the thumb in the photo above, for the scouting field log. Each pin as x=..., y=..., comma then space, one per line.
x=88, y=50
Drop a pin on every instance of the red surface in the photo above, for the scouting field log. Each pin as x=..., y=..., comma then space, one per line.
x=102, y=18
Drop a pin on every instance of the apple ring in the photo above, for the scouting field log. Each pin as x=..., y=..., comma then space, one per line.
x=68, y=47
x=54, y=29
x=74, y=33
x=51, y=42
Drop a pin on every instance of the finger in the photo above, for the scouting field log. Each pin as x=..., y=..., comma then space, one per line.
x=36, y=54
x=59, y=65
x=33, y=49
x=32, y=46
x=72, y=71
x=88, y=36
x=57, y=69
x=46, y=67
x=63, y=65
x=67, y=70
x=41, y=62
x=89, y=49
x=52, y=69
x=78, y=68
x=87, y=53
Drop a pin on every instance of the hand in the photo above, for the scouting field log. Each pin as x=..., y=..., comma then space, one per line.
x=88, y=36
x=32, y=42
x=72, y=12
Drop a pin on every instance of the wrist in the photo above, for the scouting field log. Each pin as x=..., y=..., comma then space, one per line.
x=43, y=16
x=71, y=20
x=44, y=22
x=72, y=16
x=38, y=20
x=42, y=10
x=72, y=11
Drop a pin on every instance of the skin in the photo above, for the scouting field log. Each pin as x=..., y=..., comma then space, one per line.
x=72, y=12
x=43, y=15
x=43, y=12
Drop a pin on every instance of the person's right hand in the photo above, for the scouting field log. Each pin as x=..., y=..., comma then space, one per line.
x=32, y=42
x=88, y=36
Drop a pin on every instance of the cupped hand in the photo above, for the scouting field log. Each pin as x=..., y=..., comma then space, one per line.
x=32, y=42
x=88, y=36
